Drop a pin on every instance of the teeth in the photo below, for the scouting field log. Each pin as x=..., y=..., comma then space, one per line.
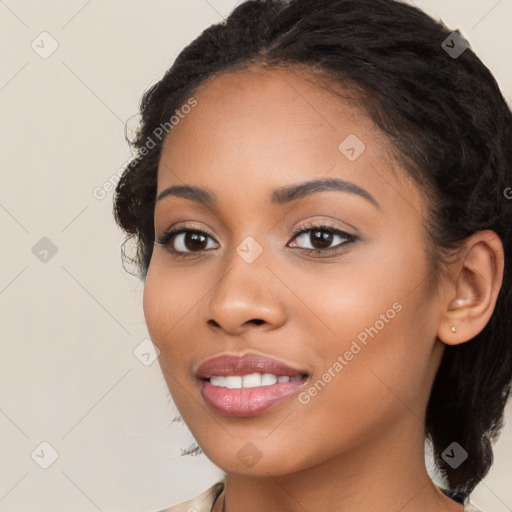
x=233, y=382
x=268, y=378
x=252, y=380
x=217, y=381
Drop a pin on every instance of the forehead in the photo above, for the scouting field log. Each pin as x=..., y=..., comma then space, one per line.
x=259, y=129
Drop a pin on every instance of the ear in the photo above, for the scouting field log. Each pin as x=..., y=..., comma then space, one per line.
x=477, y=279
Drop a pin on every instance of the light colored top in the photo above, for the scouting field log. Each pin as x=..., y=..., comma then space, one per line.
x=204, y=502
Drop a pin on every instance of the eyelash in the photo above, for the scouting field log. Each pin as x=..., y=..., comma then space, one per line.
x=167, y=237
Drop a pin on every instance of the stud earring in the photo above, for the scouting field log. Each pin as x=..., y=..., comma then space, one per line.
x=453, y=329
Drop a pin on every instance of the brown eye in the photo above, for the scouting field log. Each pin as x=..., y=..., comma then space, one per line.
x=193, y=241
x=321, y=238
x=186, y=241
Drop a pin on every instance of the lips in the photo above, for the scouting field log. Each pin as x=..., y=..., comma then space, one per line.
x=242, y=401
x=225, y=365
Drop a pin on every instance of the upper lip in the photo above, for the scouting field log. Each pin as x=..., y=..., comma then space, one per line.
x=227, y=364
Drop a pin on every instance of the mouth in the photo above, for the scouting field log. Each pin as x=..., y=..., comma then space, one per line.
x=250, y=394
x=249, y=385
x=251, y=380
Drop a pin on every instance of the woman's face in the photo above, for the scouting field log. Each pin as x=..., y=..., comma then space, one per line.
x=357, y=316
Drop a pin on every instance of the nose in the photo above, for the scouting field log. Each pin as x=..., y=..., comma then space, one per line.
x=247, y=295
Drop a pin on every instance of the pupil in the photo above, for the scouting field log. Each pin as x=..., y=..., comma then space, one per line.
x=196, y=240
x=321, y=238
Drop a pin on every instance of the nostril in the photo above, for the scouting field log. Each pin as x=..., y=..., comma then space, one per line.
x=257, y=321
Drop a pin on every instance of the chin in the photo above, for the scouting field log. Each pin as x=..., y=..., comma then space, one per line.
x=245, y=458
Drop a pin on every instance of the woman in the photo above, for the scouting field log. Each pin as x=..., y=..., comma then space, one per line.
x=319, y=201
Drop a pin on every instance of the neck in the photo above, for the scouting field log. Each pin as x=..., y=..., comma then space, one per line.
x=386, y=474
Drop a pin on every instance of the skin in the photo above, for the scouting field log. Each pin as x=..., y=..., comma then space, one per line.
x=250, y=133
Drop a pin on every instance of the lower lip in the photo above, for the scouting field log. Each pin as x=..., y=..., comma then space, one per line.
x=246, y=402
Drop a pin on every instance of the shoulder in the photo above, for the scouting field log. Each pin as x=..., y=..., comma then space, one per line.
x=204, y=501
x=201, y=503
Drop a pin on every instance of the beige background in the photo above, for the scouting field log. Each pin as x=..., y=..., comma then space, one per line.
x=68, y=373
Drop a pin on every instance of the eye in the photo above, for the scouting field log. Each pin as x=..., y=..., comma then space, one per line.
x=321, y=237
x=183, y=241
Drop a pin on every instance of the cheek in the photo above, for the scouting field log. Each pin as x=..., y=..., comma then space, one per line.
x=154, y=305
x=170, y=297
x=376, y=330
x=162, y=312
x=171, y=300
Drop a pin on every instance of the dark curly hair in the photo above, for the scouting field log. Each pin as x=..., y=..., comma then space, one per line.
x=448, y=124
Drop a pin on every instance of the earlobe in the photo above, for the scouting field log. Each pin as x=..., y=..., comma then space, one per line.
x=477, y=281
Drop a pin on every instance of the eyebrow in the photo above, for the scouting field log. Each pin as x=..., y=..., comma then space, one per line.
x=279, y=196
